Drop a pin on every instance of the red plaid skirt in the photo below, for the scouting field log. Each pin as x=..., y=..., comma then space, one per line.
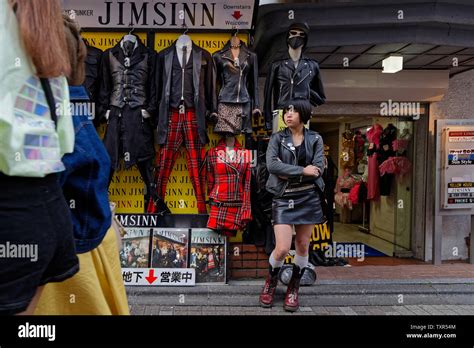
x=227, y=219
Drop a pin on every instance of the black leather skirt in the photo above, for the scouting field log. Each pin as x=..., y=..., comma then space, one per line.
x=297, y=208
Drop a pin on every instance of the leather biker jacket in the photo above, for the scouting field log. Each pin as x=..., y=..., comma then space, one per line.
x=282, y=162
x=285, y=83
x=237, y=83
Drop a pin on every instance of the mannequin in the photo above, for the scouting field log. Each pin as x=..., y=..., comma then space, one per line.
x=344, y=184
x=184, y=41
x=127, y=95
x=185, y=80
x=295, y=45
x=228, y=177
x=293, y=77
x=237, y=87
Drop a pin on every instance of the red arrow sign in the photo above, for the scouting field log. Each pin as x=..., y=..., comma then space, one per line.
x=236, y=15
x=151, y=276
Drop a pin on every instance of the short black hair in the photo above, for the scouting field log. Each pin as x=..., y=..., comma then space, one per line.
x=301, y=106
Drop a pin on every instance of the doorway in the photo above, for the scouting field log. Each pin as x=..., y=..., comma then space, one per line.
x=372, y=190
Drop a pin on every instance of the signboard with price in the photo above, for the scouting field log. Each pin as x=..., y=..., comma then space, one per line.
x=458, y=167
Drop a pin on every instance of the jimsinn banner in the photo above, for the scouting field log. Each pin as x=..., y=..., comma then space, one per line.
x=162, y=14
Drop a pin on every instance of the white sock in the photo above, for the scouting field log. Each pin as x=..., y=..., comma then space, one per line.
x=301, y=261
x=275, y=263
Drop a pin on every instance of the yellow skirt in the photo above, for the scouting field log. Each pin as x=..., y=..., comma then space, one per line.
x=97, y=289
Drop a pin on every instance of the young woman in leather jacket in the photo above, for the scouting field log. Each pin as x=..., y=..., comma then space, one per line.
x=295, y=160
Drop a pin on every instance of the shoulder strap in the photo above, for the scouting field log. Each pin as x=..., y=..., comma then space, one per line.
x=50, y=99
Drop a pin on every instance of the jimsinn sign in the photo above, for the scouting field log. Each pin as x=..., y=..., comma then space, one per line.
x=164, y=14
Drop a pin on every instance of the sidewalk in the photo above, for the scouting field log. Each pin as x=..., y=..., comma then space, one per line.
x=386, y=290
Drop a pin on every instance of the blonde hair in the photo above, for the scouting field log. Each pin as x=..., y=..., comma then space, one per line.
x=42, y=33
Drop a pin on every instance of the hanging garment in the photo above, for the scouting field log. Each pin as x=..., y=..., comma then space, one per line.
x=343, y=188
x=237, y=83
x=402, y=143
x=203, y=89
x=260, y=230
x=229, y=188
x=92, y=82
x=389, y=134
x=354, y=193
x=399, y=166
x=183, y=129
x=347, y=153
x=127, y=88
x=373, y=177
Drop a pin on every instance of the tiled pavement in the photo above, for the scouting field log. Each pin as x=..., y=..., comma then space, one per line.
x=420, y=271
x=423, y=289
x=317, y=310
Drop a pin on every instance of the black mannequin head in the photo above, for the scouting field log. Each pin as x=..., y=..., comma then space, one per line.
x=297, y=35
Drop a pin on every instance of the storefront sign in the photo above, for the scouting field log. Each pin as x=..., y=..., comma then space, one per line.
x=460, y=136
x=159, y=277
x=163, y=14
x=458, y=172
x=321, y=236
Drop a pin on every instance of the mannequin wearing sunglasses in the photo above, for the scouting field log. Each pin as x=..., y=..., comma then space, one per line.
x=292, y=77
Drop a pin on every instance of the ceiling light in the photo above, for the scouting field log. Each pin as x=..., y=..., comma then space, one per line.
x=392, y=64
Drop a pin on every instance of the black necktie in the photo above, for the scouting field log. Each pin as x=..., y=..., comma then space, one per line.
x=184, y=56
x=183, y=65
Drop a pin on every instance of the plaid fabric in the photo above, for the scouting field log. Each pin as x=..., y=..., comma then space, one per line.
x=183, y=128
x=229, y=182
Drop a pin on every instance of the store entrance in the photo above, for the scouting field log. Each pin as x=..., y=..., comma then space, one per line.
x=370, y=166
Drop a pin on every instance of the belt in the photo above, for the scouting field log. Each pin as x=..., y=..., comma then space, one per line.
x=226, y=204
x=345, y=190
x=301, y=188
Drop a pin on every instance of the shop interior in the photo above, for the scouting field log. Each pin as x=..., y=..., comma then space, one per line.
x=370, y=189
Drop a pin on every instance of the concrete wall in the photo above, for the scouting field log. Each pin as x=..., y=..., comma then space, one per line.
x=458, y=103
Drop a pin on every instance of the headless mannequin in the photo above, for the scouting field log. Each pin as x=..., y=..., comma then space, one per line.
x=129, y=44
x=184, y=41
x=235, y=45
x=230, y=143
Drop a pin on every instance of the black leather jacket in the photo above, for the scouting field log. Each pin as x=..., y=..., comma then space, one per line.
x=237, y=84
x=281, y=160
x=285, y=82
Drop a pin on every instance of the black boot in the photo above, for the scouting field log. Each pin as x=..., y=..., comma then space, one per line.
x=268, y=291
x=291, y=298
x=156, y=205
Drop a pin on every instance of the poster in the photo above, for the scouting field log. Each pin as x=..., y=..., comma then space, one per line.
x=208, y=255
x=321, y=236
x=457, y=175
x=135, y=247
x=170, y=248
x=158, y=277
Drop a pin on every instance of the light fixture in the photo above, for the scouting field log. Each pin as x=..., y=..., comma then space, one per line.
x=392, y=64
